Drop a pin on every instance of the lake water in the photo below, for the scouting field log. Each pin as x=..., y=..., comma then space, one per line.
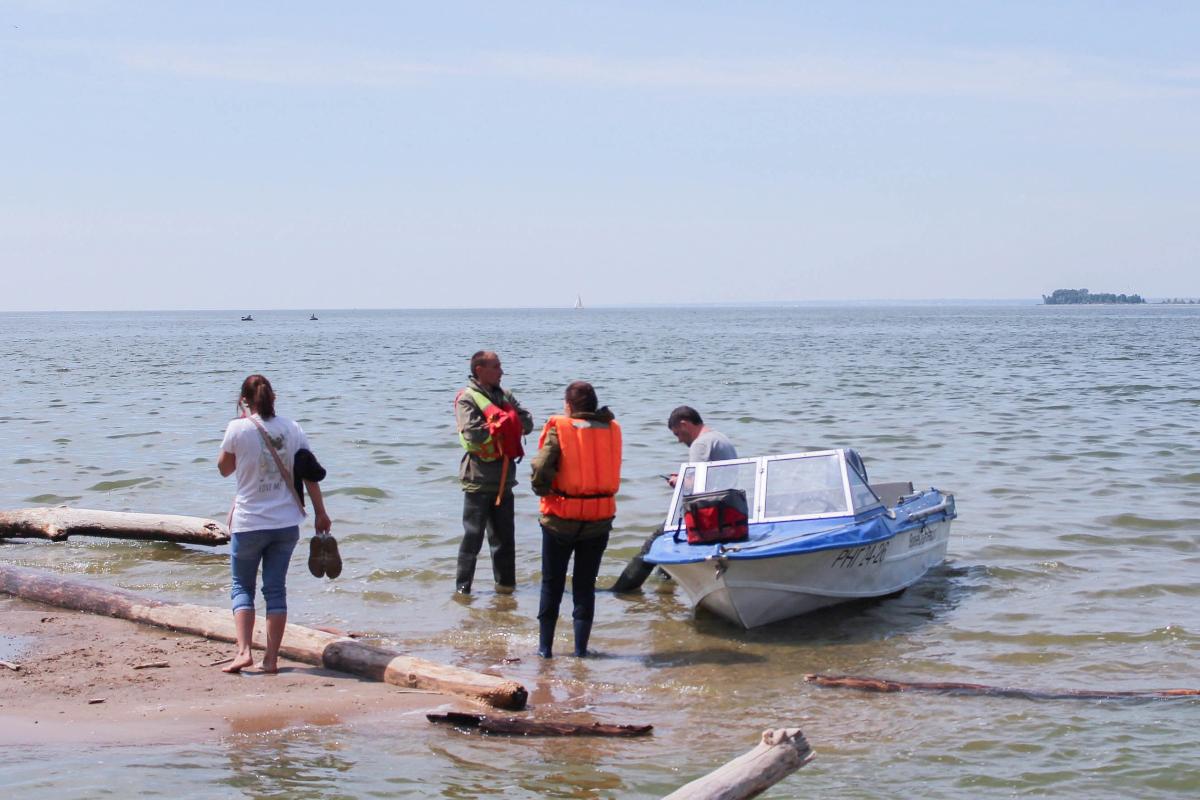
x=1068, y=435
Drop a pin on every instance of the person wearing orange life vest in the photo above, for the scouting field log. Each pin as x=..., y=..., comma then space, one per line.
x=576, y=472
x=490, y=425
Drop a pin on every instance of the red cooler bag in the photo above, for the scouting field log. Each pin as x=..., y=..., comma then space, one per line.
x=715, y=517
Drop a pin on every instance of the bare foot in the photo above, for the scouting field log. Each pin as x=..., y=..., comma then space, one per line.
x=268, y=668
x=238, y=664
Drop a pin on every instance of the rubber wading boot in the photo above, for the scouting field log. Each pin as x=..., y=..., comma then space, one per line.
x=635, y=574
x=465, y=575
x=583, y=632
x=637, y=570
x=546, y=637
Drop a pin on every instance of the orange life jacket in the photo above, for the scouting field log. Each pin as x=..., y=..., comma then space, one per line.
x=589, y=469
x=504, y=429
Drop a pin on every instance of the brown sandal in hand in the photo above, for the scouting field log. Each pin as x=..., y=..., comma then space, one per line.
x=316, y=556
x=333, y=559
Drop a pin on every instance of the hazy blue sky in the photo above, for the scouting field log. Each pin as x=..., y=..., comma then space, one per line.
x=238, y=155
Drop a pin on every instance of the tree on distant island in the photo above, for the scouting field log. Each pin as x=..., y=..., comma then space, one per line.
x=1071, y=297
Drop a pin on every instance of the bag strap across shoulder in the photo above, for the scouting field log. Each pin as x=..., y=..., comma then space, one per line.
x=284, y=471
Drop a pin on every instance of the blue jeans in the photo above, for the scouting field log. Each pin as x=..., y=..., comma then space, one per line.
x=274, y=549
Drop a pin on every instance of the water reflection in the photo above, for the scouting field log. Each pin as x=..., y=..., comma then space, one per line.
x=300, y=762
x=709, y=656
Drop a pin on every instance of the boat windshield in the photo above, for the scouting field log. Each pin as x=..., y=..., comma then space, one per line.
x=804, y=486
x=795, y=486
x=739, y=474
x=861, y=493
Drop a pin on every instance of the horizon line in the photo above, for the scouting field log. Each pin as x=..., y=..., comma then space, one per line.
x=611, y=306
x=926, y=301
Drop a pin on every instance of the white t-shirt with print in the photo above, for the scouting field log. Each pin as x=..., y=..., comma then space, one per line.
x=263, y=502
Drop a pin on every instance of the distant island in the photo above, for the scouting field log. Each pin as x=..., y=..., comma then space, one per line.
x=1075, y=297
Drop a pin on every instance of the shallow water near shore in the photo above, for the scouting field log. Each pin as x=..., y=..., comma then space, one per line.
x=1068, y=435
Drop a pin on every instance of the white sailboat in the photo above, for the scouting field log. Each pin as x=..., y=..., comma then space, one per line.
x=578, y=302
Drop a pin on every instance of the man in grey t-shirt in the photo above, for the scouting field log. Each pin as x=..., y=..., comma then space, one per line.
x=704, y=444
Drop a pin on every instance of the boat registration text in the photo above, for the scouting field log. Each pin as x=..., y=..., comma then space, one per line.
x=860, y=556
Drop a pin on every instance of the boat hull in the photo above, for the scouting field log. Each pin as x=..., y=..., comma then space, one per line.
x=757, y=591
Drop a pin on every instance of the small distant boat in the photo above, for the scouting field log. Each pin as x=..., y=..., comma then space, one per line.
x=312, y=318
x=813, y=533
x=578, y=302
x=248, y=318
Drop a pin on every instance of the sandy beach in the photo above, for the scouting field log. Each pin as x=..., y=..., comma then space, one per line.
x=69, y=660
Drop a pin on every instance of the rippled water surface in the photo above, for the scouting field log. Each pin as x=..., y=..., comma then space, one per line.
x=1069, y=436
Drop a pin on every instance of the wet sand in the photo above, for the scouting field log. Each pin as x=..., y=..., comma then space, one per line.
x=69, y=659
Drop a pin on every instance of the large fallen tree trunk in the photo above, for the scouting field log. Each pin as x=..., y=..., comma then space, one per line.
x=779, y=754
x=880, y=685
x=519, y=726
x=57, y=524
x=299, y=643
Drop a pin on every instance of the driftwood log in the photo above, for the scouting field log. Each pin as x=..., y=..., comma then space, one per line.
x=519, y=726
x=780, y=753
x=58, y=524
x=880, y=685
x=299, y=643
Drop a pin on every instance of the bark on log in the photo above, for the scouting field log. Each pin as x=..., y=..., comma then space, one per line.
x=780, y=753
x=57, y=524
x=518, y=726
x=299, y=643
x=880, y=685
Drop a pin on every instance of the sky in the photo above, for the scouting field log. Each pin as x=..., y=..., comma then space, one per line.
x=232, y=155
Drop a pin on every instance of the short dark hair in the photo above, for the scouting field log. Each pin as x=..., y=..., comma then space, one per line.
x=580, y=396
x=684, y=414
x=258, y=394
x=480, y=358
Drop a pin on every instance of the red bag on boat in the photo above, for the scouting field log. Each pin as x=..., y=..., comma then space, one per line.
x=715, y=517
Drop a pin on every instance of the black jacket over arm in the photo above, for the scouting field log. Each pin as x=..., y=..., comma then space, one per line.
x=305, y=467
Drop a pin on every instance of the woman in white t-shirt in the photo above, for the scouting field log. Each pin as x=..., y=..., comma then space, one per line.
x=267, y=513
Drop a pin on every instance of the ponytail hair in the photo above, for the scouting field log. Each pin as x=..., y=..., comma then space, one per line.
x=259, y=396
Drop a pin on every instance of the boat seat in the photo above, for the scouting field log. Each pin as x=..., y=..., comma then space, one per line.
x=889, y=493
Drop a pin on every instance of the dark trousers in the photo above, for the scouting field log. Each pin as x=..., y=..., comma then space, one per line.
x=480, y=514
x=556, y=553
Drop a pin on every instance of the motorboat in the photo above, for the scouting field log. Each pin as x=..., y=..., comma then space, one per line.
x=248, y=318
x=312, y=318
x=816, y=533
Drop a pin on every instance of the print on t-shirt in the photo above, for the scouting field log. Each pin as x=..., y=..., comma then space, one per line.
x=271, y=480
